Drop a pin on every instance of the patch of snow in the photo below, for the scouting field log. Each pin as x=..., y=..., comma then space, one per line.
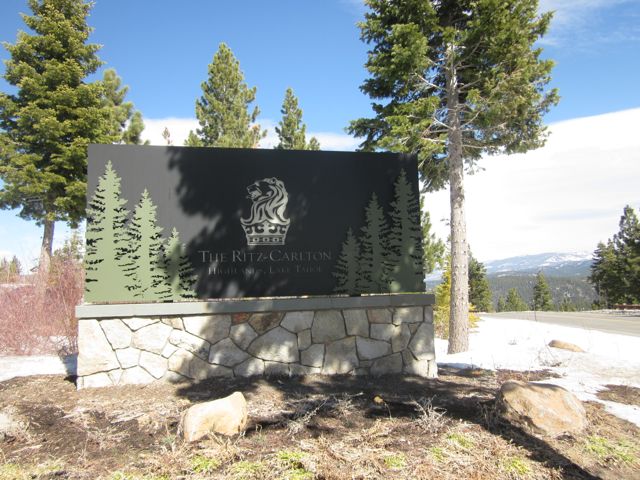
x=24, y=366
x=500, y=343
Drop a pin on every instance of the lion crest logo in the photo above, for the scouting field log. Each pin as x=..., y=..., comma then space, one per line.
x=267, y=224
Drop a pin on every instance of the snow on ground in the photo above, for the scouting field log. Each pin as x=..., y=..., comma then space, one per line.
x=523, y=345
x=23, y=366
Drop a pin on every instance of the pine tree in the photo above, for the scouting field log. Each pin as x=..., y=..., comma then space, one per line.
x=452, y=81
x=347, y=268
x=373, y=275
x=567, y=305
x=479, y=289
x=107, y=242
x=178, y=269
x=432, y=247
x=514, y=302
x=502, y=305
x=126, y=122
x=615, y=271
x=147, y=279
x=542, y=299
x=627, y=247
x=222, y=111
x=291, y=131
x=46, y=125
x=404, y=259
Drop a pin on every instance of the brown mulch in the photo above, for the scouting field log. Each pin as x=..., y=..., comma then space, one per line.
x=620, y=394
x=314, y=427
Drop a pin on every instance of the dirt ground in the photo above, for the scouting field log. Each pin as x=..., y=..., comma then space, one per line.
x=312, y=427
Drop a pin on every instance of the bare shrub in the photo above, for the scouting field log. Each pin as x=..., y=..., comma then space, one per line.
x=38, y=316
x=430, y=419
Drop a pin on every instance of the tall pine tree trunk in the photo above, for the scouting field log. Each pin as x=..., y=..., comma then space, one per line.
x=459, y=306
x=47, y=246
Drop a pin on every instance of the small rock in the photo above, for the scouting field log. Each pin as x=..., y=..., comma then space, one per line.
x=565, y=346
x=226, y=416
x=541, y=408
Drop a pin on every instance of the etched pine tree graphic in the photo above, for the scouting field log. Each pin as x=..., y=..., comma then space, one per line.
x=404, y=258
x=347, y=267
x=178, y=269
x=107, y=242
x=373, y=277
x=147, y=279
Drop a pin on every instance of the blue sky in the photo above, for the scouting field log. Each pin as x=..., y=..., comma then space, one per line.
x=161, y=49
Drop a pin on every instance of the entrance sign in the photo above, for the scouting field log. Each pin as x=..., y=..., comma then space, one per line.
x=179, y=223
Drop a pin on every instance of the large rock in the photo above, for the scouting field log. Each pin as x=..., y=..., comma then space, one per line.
x=340, y=357
x=212, y=328
x=328, y=326
x=277, y=345
x=251, y=366
x=565, y=346
x=136, y=376
x=12, y=424
x=400, y=338
x=379, y=315
x=313, y=356
x=152, y=338
x=95, y=352
x=128, y=357
x=541, y=408
x=226, y=416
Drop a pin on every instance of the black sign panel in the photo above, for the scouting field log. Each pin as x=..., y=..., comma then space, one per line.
x=173, y=223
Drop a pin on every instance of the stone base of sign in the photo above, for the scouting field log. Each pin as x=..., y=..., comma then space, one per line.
x=144, y=343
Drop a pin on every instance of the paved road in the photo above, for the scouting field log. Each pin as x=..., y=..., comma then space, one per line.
x=605, y=322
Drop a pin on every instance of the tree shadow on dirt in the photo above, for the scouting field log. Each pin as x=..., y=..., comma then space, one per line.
x=389, y=396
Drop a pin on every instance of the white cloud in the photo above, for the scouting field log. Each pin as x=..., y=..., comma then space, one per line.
x=179, y=129
x=566, y=196
x=575, y=23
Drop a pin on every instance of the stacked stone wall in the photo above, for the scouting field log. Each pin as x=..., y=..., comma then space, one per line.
x=361, y=341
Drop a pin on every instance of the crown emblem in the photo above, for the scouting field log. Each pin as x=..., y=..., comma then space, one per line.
x=266, y=224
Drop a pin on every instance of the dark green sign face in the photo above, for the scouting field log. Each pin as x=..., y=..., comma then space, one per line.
x=177, y=223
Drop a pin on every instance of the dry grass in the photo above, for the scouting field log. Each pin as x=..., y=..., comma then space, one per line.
x=303, y=429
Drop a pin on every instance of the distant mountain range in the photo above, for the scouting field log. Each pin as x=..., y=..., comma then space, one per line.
x=566, y=274
x=552, y=264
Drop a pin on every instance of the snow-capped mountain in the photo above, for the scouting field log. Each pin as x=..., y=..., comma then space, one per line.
x=552, y=264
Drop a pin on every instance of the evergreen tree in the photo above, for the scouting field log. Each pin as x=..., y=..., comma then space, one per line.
x=46, y=125
x=291, y=131
x=178, y=269
x=615, y=272
x=432, y=247
x=514, y=302
x=147, y=278
x=542, y=299
x=222, y=111
x=404, y=259
x=373, y=275
x=452, y=81
x=627, y=247
x=479, y=289
x=567, y=305
x=347, y=268
x=502, y=305
x=107, y=242
x=126, y=122
x=10, y=270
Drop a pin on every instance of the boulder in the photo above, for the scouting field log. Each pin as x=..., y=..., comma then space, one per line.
x=226, y=416
x=565, y=346
x=541, y=408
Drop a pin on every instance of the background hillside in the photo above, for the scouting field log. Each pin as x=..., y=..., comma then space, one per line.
x=566, y=275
